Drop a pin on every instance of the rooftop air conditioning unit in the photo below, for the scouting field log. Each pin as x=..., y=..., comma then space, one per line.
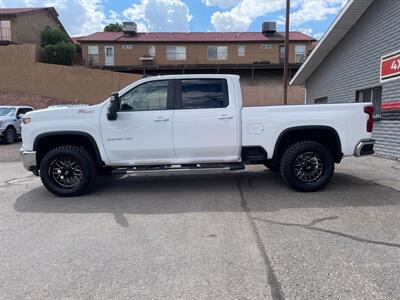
x=129, y=27
x=269, y=28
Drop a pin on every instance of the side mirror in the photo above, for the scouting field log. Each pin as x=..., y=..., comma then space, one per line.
x=20, y=116
x=114, y=107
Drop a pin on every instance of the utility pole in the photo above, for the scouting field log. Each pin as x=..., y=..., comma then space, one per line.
x=286, y=62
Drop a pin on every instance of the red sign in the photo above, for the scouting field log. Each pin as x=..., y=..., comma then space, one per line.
x=390, y=66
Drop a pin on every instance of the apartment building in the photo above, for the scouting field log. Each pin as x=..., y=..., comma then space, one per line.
x=180, y=51
x=23, y=25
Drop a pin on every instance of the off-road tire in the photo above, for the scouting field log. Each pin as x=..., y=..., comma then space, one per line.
x=85, y=161
x=287, y=166
x=10, y=135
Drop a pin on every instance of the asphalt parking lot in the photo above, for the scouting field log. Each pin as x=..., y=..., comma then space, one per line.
x=239, y=235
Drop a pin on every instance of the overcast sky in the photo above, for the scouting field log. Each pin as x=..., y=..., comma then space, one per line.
x=82, y=17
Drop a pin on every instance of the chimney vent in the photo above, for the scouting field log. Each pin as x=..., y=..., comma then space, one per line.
x=129, y=27
x=269, y=28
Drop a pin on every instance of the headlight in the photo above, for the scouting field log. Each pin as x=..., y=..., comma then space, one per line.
x=26, y=120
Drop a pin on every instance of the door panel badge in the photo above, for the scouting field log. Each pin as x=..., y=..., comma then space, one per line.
x=129, y=138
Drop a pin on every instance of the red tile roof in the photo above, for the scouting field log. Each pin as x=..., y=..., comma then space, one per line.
x=193, y=37
x=14, y=11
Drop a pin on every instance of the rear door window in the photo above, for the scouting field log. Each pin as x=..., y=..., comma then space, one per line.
x=203, y=93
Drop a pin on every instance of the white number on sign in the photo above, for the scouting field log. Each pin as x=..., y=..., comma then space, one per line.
x=395, y=65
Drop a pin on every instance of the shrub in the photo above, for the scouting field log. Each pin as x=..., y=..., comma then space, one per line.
x=61, y=53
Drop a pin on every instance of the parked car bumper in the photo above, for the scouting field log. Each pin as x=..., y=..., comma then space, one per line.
x=364, y=147
x=2, y=132
x=29, y=160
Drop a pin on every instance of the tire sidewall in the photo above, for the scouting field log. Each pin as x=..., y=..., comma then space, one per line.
x=10, y=132
x=83, y=161
x=288, y=162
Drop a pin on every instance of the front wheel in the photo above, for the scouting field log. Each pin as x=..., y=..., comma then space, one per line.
x=68, y=171
x=10, y=135
x=307, y=166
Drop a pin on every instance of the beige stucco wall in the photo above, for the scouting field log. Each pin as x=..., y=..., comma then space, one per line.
x=196, y=53
x=72, y=84
x=267, y=89
x=270, y=94
x=20, y=54
x=30, y=25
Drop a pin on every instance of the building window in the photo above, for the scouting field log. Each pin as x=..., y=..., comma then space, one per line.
x=176, y=52
x=241, y=50
x=152, y=51
x=217, y=52
x=5, y=31
x=109, y=51
x=373, y=95
x=204, y=93
x=266, y=46
x=281, y=54
x=321, y=100
x=93, y=52
x=127, y=47
x=300, y=52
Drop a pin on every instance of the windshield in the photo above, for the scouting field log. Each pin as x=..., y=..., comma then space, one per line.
x=7, y=111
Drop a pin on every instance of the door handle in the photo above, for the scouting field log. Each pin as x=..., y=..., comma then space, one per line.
x=225, y=117
x=160, y=119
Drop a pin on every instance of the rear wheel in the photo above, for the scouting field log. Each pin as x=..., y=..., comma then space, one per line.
x=68, y=171
x=307, y=166
x=10, y=135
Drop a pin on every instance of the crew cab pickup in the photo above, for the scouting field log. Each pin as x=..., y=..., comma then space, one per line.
x=191, y=122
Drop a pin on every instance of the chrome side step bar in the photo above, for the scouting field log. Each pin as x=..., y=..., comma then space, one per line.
x=179, y=168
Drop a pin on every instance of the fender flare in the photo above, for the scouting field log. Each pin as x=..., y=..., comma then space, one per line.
x=76, y=133
x=307, y=127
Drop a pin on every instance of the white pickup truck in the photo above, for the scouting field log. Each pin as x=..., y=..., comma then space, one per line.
x=191, y=122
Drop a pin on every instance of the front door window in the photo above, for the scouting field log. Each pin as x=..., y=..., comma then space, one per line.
x=148, y=96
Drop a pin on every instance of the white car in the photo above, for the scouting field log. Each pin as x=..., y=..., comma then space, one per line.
x=10, y=122
x=191, y=122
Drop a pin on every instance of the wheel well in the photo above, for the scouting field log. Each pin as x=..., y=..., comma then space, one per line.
x=44, y=143
x=324, y=135
x=11, y=126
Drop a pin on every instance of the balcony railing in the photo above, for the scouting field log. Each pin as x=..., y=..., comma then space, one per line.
x=5, y=34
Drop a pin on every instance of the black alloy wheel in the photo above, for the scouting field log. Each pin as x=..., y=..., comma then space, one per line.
x=66, y=172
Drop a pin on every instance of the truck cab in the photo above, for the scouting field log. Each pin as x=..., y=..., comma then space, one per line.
x=175, y=121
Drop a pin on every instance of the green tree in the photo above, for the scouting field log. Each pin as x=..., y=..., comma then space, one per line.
x=116, y=27
x=52, y=36
x=57, y=46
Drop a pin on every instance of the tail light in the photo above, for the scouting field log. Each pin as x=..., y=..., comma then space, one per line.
x=370, y=123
